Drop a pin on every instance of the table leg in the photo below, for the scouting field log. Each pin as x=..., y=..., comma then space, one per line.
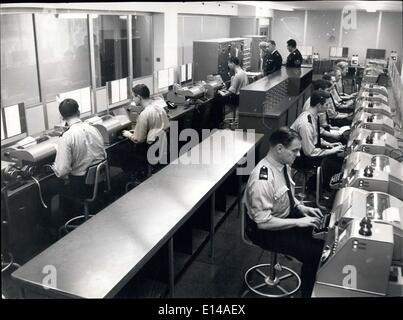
x=239, y=194
x=171, y=270
x=212, y=226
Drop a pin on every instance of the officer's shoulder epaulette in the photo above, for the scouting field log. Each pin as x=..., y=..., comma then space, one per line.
x=263, y=173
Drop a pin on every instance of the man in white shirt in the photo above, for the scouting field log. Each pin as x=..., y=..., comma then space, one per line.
x=153, y=120
x=80, y=147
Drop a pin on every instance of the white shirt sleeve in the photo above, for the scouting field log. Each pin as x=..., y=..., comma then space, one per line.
x=62, y=164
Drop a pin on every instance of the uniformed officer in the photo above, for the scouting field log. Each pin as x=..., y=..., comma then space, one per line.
x=339, y=113
x=339, y=92
x=327, y=131
x=273, y=59
x=152, y=121
x=294, y=59
x=276, y=219
x=317, y=151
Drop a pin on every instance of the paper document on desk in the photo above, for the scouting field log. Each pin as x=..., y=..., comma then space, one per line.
x=26, y=142
x=393, y=214
x=344, y=129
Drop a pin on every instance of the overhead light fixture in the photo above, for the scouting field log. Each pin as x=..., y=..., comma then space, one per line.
x=123, y=17
x=71, y=15
x=371, y=10
x=266, y=4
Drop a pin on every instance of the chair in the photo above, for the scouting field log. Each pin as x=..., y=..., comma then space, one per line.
x=96, y=174
x=272, y=280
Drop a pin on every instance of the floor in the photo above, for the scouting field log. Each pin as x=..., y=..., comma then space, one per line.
x=224, y=277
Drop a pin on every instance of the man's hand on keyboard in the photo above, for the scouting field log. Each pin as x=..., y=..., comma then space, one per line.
x=308, y=222
x=310, y=212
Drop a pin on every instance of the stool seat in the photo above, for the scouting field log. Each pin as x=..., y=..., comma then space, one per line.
x=271, y=275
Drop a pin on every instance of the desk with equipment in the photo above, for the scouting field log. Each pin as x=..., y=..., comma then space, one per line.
x=98, y=258
x=363, y=252
x=274, y=101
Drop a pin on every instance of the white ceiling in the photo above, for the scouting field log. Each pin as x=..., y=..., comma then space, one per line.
x=326, y=5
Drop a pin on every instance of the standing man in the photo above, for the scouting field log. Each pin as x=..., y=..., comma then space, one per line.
x=294, y=59
x=277, y=220
x=272, y=58
x=152, y=121
x=238, y=81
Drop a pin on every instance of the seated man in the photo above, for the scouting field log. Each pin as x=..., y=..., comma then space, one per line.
x=80, y=147
x=151, y=125
x=152, y=121
x=328, y=132
x=336, y=117
x=342, y=104
x=316, y=151
x=343, y=66
x=279, y=222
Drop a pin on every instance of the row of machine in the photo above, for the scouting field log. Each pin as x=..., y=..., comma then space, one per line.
x=363, y=251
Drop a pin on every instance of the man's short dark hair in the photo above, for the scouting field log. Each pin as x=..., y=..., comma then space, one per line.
x=272, y=42
x=321, y=84
x=327, y=77
x=142, y=91
x=68, y=108
x=235, y=60
x=292, y=43
x=319, y=97
x=284, y=136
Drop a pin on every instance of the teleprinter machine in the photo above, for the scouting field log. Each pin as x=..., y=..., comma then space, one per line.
x=110, y=126
x=373, y=173
x=361, y=115
x=179, y=94
x=373, y=107
x=373, y=96
x=374, y=142
x=212, y=85
x=375, y=89
x=31, y=151
x=374, y=122
x=352, y=203
x=356, y=261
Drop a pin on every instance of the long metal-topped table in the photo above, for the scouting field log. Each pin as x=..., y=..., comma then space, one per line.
x=98, y=258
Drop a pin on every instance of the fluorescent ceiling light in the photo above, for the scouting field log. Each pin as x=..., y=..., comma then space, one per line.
x=123, y=17
x=371, y=10
x=71, y=15
x=266, y=5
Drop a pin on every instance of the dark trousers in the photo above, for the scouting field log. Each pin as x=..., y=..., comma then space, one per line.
x=330, y=165
x=341, y=122
x=74, y=187
x=298, y=243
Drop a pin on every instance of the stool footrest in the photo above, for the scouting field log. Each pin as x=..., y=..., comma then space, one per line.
x=269, y=283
